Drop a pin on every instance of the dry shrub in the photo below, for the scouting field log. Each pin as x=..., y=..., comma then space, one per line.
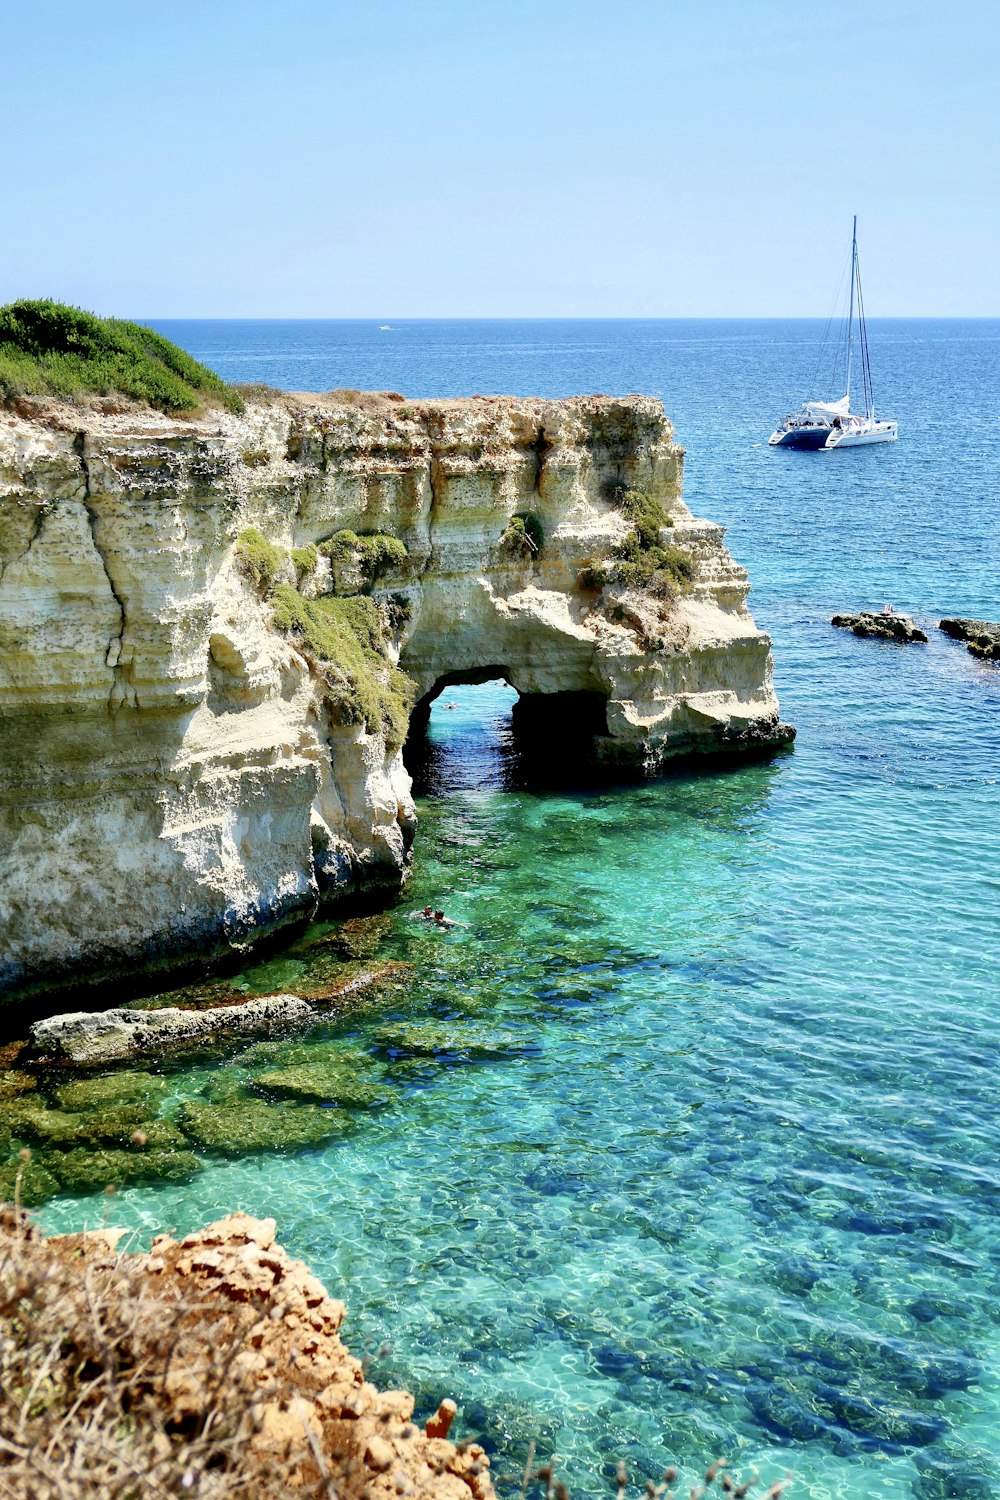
x=210, y=1368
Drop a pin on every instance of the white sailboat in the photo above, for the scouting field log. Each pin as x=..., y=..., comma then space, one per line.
x=832, y=424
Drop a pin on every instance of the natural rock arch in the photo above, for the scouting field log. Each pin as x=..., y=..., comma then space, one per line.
x=172, y=780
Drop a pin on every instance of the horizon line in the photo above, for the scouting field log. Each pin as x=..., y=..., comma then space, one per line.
x=556, y=318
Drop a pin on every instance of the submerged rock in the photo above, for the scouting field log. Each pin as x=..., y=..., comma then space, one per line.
x=238, y=1126
x=86, y=1037
x=325, y=1083
x=431, y=1040
x=111, y=1090
x=37, y=1185
x=880, y=627
x=981, y=636
x=85, y=1171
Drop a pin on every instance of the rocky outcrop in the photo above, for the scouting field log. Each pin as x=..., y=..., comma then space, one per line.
x=881, y=627
x=981, y=636
x=180, y=769
x=86, y=1037
x=229, y=1376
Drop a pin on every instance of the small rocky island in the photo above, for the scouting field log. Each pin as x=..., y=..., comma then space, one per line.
x=221, y=611
x=981, y=636
x=881, y=627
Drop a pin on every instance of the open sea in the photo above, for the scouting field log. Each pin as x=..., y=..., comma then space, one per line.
x=726, y=1181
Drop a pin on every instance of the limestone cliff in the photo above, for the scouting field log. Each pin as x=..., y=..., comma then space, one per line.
x=176, y=776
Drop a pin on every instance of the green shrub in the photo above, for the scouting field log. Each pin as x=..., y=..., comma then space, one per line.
x=304, y=560
x=49, y=349
x=661, y=570
x=256, y=458
x=523, y=535
x=642, y=560
x=259, y=560
x=373, y=555
x=645, y=512
x=346, y=639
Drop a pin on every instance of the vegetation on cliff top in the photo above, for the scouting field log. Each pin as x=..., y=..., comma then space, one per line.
x=49, y=349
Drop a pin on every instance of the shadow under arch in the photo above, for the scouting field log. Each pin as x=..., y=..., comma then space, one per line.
x=552, y=740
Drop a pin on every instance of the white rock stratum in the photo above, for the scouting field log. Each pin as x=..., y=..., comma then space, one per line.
x=172, y=781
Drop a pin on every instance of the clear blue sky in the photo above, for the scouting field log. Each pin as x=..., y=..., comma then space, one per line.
x=453, y=158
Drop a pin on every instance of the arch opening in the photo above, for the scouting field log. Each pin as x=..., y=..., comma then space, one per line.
x=474, y=730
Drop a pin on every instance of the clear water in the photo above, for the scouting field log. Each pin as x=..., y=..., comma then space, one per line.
x=734, y=1185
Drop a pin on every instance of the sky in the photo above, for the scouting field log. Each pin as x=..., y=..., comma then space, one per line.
x=499, y=158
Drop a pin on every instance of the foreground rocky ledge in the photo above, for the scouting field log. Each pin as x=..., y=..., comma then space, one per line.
x=209, y=1366
x=196, y=748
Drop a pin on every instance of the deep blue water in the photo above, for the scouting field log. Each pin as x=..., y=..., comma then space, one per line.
x=733, y=1184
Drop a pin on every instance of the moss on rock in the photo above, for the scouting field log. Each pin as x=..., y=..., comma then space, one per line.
x=324, y=1081
x=345, y=638
x=37, y=1184
x=244, y=1125
x=359, y=561
x=82, y=1170
x=259, y=560
x=111, y=1090
x=433, y=1040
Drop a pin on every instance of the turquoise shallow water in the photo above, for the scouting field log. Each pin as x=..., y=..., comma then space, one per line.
x=730, y=1182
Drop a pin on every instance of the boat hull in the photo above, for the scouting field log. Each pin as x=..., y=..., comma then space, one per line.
x=800, y=437
x=885, y=432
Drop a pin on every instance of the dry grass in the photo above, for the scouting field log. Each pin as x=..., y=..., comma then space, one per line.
x=116, y=1387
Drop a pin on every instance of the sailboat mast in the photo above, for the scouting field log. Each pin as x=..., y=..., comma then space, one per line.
x=850, y=315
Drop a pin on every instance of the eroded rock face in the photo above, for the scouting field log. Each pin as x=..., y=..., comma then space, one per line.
x=171, y=778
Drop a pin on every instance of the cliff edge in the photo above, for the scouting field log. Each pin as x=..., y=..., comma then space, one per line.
x=214, y=631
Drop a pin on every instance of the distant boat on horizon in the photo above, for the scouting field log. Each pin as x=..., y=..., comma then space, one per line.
x=385, y=328
x=832, y=424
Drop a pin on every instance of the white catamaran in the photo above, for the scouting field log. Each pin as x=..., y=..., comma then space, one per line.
x=832, y=424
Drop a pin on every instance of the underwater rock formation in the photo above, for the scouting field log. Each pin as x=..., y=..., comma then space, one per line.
x=212, y=631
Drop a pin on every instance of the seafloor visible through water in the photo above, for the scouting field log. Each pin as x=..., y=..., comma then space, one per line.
x=703, y=1155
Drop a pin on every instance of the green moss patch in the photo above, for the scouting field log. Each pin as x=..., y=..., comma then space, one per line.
x=49, y=349
x=304, y=560
x=371, y=557
x=433, y=1040
x=259, y=560
x=37, y=1184
x=84, y=1171
x=345, y=638
x=111, y=1090
x=239, y=1126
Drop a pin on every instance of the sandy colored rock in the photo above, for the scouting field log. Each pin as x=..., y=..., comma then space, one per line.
x=173, y=780
x=229, y=1297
